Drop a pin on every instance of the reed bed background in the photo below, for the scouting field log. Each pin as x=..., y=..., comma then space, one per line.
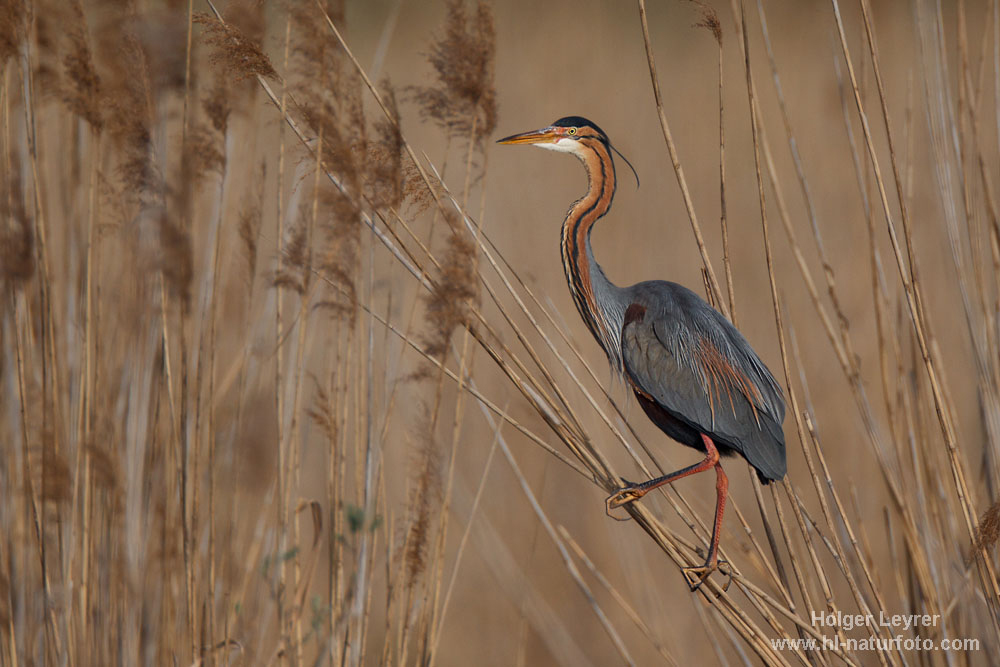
x=291, y=376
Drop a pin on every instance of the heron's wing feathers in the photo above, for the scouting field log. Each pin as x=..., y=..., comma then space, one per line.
x=698, y=367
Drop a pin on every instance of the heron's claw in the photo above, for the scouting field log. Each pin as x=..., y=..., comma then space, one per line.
x=727, y=572
x=697, y=575
x=623, y=496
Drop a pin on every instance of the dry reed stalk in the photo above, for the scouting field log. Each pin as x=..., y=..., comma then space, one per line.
x=911, y=289
x=564, y=554
x=847, y=360
x=440, y=607
x=50, y=381
x=366, y=623
x=432, y=625
x=842, y=344
x=88, y=384
x=971, y=283
x=404, y=614
x=426, y=489
x=781, y=208
x=847, y=524
x=777, y=571
x=881, y=297
x=481, y=398
x=391, y=578
x=83, y=100
x=465, y=90
x=837, y=547
x=541, y=365
x=779, y=325
x=188, y=49
x=618, y=597
x=562, y=410
x=839, y=343
x=435, y=362
x=251, y=221
x=355, y=631
x=675, y=161
x=757, y=491
x=712, y=23
x=804, y=188
x=340, y=470
x=463, y=542
x=291, y=444
x=212, y=402
x=388, y=115
x=552, y=385
x=406, y=334
x=188, y=463
x=29, y=515
x=372, y=456
x=741, y=623
x=941, y=97
x=984, y=254
x=279, y=402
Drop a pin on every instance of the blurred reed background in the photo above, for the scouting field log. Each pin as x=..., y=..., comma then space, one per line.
x=291, y=374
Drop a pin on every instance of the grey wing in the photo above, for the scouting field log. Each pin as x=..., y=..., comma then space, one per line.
x=698, y=367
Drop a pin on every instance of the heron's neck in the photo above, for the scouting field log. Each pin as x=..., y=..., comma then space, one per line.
x=591, y=289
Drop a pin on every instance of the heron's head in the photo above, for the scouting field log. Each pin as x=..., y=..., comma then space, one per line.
x=571, y=134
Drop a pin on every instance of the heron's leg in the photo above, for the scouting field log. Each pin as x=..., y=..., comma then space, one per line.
x=721, y=491
x=633, y=492
x=697, y=575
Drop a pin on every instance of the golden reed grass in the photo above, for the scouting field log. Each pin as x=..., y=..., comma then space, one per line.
x=266, y=323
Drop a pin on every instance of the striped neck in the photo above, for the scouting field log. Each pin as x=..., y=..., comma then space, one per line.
x=586, y=279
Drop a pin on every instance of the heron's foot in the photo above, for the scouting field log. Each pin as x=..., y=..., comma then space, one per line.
x=630, y=492
x=697, y=575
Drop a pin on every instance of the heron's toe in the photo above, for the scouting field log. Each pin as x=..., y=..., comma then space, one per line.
x=622, y=497
x=697, y=575
x=727, y=571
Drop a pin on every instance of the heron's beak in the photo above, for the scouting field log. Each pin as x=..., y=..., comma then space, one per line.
x=546, y=135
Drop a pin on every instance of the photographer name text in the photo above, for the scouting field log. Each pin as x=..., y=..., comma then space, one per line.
x=850, y=621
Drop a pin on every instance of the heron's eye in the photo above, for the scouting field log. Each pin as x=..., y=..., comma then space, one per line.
x=571, y=130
